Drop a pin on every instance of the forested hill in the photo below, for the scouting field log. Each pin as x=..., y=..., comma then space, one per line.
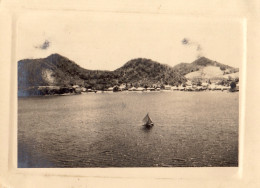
x=60, y=71
x=148, y=72
x=56, y=70
x=185, y=68
x=204, y=69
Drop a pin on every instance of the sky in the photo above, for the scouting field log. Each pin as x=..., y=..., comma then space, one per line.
x=106, y=41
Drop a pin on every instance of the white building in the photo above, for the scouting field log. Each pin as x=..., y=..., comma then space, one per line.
x=110, y=88
x=167, y=87
x=132, y=89
x=174, y=88
x=140, y=89
x=122, y=87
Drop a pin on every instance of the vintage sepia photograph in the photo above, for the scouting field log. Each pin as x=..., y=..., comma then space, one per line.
x=102, y=89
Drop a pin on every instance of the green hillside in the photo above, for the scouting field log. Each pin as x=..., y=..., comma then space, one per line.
x=60, y=71
x=56, y=70
x=145, y=72
x=185, y=68
x=204, y=69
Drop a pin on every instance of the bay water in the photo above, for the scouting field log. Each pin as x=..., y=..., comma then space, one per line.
x=191, y=129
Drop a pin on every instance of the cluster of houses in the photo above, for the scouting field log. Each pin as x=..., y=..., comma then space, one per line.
x=123, y=87
x=187, y=87
x=76, y=89
x=202, y=87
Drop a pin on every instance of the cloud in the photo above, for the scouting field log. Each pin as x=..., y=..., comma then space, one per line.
x=44, y=46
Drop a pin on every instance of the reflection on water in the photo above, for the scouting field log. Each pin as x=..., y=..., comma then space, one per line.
x=105, y=130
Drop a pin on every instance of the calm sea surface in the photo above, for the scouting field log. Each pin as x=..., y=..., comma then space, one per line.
x=105, y=130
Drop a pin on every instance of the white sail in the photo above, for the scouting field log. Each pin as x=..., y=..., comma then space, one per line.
x=147, y=120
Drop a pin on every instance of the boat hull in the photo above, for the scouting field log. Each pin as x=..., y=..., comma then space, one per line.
x=148, y=125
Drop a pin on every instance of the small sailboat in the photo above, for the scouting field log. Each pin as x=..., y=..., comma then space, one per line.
x=147, y=121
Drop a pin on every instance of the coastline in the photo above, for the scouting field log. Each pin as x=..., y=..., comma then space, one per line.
x=128, y=91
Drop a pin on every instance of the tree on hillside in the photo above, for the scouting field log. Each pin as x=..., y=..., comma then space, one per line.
x=115, y=89
x=232, y=86
x=199, y=83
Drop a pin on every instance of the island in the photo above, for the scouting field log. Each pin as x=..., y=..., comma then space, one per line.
x=58, y=75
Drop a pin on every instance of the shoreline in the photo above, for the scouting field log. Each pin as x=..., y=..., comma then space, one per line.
x=127, y=91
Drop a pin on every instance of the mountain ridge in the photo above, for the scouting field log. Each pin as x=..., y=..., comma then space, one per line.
x=58, y=70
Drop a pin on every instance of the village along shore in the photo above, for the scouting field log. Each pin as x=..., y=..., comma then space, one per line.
x=76, y=89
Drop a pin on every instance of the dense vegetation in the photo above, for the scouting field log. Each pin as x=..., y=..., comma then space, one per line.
x=185, y=68
x=56, y=70
x=145, y=72
x=64, y=72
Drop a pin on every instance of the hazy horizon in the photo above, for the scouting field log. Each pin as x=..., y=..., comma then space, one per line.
x=106, y=41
